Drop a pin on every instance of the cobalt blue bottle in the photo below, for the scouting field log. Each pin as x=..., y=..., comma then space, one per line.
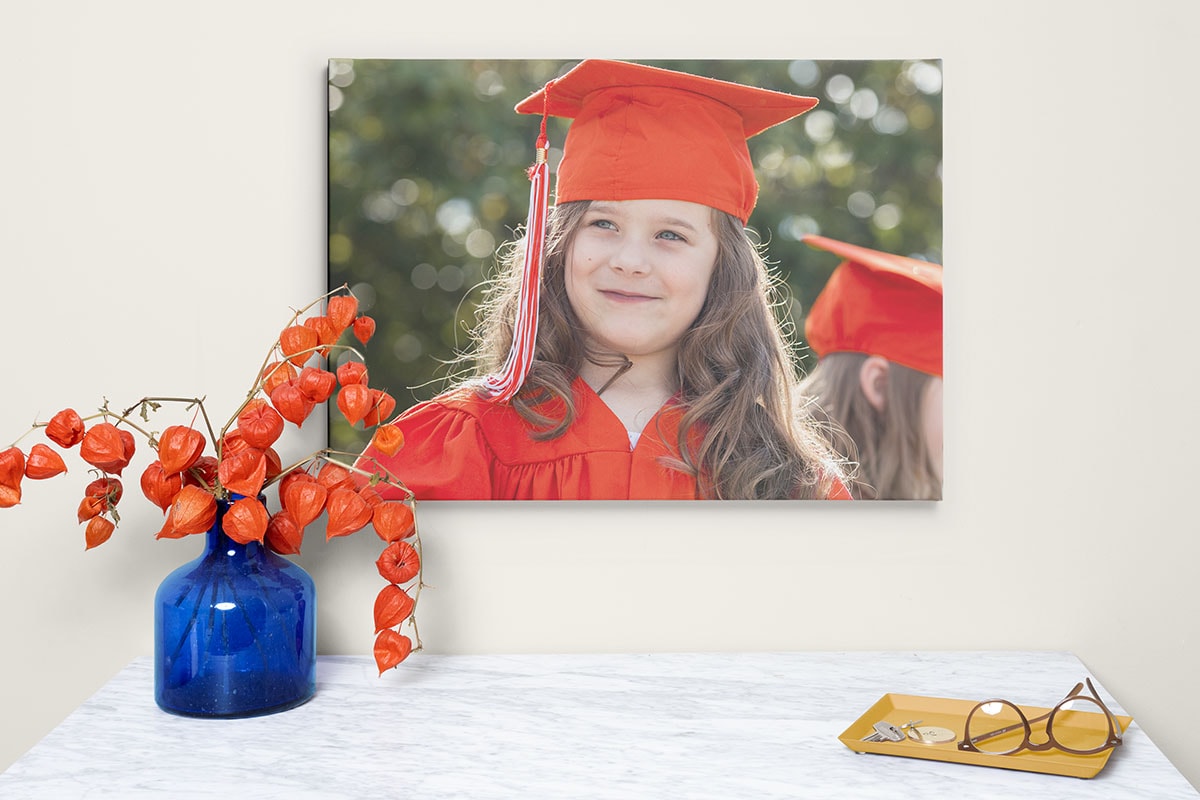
x=234, y=632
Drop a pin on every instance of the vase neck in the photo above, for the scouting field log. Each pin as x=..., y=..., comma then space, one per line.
x=219, y=544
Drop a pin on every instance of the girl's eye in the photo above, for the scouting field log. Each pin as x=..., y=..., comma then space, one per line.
x=672, y=235
x=602, y=223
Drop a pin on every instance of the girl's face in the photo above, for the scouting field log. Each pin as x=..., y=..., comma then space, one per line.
x=638, y=272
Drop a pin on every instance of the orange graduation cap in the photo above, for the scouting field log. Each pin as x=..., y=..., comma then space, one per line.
x=639, y=133
x=881, y=304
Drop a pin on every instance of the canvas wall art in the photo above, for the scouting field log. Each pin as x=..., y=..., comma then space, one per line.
x=734, y=292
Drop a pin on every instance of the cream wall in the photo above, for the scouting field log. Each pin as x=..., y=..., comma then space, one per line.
x=162, y=204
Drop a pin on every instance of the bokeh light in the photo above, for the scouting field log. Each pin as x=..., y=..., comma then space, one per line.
x=839, y=88
x=864, y=103
x=804, y=73
x=926, y=77
x=820, y=125
x=861, y=204
x=886, y=217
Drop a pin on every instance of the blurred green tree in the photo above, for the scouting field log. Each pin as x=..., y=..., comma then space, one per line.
x=427, y=179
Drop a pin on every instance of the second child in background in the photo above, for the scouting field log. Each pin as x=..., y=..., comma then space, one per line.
x=876, y=328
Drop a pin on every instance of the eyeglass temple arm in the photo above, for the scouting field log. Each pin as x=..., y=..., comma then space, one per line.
x=1116, y=723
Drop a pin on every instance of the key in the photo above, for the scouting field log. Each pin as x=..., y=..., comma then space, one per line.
x=884, y=732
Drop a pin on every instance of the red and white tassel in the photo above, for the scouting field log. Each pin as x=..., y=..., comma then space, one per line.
x=504, y=385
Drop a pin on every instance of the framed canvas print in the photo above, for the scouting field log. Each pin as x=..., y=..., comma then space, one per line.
x=599, y=279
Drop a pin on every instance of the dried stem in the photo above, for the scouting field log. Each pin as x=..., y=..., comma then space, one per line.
x=191, y=401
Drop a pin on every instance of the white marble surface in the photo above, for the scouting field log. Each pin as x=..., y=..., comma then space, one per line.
x=566, y=726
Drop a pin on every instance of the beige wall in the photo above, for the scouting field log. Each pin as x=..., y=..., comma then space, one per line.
x=164, y=173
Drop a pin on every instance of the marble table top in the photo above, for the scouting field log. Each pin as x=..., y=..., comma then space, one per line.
x=719, y=725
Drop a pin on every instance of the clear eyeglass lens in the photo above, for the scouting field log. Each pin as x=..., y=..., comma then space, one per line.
x=986, y=728
x=1080, y=725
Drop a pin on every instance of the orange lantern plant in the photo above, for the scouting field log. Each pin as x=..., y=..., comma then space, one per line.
x=196, y=465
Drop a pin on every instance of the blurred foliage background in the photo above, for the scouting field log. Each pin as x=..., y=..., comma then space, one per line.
x=427, y=179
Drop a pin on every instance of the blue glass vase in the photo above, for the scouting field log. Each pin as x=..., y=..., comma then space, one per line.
x=234, y=632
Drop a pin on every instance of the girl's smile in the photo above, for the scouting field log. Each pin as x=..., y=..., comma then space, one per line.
x=625, y=297
x=638, y=273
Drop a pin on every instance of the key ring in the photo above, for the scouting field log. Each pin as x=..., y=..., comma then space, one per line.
x=929, y=734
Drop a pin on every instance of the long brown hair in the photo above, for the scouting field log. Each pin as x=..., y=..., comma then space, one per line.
x=735, y=369
x=894, y=462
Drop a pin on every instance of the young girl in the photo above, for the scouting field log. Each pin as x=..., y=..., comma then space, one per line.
x=630, y=350
x=877, y=330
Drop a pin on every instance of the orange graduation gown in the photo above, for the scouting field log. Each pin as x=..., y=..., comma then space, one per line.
x=463, y=447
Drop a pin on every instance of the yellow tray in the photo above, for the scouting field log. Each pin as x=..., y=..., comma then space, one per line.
x=942, y=712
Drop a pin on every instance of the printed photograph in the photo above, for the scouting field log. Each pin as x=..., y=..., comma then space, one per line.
x=610, y=280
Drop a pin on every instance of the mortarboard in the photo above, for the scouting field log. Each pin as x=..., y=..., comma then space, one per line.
x=641, y=132
x=878, y=303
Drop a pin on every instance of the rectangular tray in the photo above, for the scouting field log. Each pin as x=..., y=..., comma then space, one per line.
x=943, y=712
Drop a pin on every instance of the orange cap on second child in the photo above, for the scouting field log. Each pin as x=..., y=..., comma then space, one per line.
x=644, y=133
x=878, y=303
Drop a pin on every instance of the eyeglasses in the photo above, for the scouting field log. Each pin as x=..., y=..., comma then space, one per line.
x=999, y=727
